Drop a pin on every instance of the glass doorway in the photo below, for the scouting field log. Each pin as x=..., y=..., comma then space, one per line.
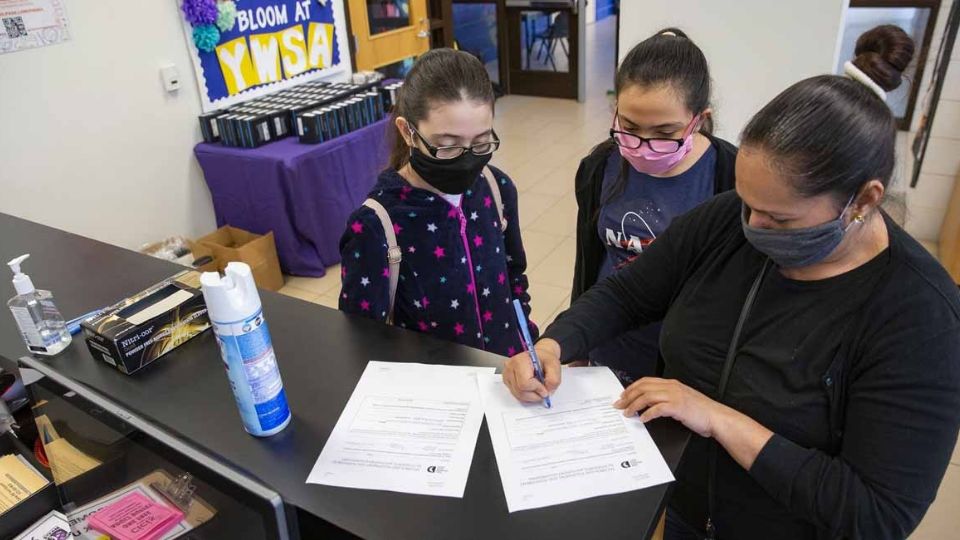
x=543, y=47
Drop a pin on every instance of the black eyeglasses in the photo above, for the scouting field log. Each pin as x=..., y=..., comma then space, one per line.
x=450, y=152
x=658, y=145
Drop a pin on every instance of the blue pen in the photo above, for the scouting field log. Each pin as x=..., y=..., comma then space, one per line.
x=525, y=331
x=73, y=325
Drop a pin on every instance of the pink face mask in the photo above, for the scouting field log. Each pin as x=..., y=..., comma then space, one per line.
x=645, y=160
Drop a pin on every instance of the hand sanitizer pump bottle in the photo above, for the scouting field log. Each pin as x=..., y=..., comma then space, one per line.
x=39, y=320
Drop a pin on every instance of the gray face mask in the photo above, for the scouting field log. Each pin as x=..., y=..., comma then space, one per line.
x=794, y=248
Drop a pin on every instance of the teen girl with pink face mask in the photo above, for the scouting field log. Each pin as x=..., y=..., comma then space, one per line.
x=659, y=162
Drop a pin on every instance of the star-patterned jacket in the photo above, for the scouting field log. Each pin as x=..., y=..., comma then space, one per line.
x=459, y=273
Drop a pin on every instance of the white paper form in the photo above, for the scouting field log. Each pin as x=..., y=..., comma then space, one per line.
x=580, y=448
x=410, y=428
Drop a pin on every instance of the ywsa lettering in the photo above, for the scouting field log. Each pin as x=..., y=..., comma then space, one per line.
x=272, y=56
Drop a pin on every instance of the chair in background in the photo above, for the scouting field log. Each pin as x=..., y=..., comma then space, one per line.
x=557, y=31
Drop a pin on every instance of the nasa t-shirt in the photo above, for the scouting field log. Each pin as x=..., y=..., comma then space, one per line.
x=632, y=215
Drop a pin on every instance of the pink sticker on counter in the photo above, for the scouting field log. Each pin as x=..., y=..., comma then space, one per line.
x=135, y=517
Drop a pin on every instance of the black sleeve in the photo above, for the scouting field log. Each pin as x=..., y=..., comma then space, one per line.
x=588, y=184
x=583, y=217
x=640, y=293
x=900, y=430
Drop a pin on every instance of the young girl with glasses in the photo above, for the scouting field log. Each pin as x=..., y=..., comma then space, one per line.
x=659, y=162
x=436, y=248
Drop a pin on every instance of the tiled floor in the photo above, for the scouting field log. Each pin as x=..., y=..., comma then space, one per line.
x=543, y=142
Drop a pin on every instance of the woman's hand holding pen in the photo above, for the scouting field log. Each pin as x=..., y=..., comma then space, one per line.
x=519, y=377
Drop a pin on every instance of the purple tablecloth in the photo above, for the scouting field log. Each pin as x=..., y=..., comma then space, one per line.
x=302, y=192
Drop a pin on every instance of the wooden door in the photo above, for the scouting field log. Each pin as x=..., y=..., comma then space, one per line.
x=388, y=31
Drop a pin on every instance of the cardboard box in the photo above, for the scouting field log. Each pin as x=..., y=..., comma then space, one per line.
x=138, y=330
x=259, y=251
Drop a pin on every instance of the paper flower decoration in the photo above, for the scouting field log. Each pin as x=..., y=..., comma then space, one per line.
x=205, y=37
x=200, y=12
x=226, y=15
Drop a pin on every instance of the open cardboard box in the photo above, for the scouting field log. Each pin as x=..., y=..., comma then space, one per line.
x=228, y=244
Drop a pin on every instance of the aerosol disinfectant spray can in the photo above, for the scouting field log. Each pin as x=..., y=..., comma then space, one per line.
x=233, y=305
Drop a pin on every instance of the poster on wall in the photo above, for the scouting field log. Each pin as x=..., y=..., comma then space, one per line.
x=242, y=49
x=932, y=98
x=26, y=24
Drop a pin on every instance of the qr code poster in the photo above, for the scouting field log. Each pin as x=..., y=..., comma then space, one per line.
x=25, y=24
x=270, y=45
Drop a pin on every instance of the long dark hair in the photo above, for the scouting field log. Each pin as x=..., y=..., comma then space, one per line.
x=832, y=134
x=438, y=76
x=668, y=57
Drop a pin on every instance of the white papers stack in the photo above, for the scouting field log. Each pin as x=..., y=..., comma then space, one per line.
x=407, y=427
x=580, y=448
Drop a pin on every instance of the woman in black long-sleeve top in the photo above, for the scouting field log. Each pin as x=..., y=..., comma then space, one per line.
x=842, y=403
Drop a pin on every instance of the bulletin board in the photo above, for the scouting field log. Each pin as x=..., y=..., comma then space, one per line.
x=242, y=49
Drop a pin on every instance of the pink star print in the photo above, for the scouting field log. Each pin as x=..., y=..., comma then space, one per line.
x=439, y=252
x=364, y=305
x=343, y=271
x=471, y=288
x=518, y=290
x=511, y=351
x=423, y=326
x=452, y=213
x=397, y=228
x=386, y=272
x=501, y=278
x=458, y=328
x=403, y=192
x=357, y=227
x=487, y=201
x=487, y=316
x=425, y=302
x=478, y=240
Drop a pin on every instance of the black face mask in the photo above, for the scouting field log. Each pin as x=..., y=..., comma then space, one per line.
x=450, y=176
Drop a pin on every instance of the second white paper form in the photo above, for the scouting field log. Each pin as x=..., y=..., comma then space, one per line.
x=410, y=428
x=580, y=448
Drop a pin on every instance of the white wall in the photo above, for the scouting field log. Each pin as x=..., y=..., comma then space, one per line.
x=89, y=140
x=927, y=203
x=756, y=48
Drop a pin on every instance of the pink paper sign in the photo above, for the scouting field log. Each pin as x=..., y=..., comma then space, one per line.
x=135, y=517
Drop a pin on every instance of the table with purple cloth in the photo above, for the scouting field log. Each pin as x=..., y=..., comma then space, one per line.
x=302, y=192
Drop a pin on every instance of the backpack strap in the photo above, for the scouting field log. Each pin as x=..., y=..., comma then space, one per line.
x=497, y=199
x=394, y=253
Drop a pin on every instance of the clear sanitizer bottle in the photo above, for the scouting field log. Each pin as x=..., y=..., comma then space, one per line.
x=39, y=320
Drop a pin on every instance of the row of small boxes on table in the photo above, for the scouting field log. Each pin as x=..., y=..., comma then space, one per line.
x=315, y=112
